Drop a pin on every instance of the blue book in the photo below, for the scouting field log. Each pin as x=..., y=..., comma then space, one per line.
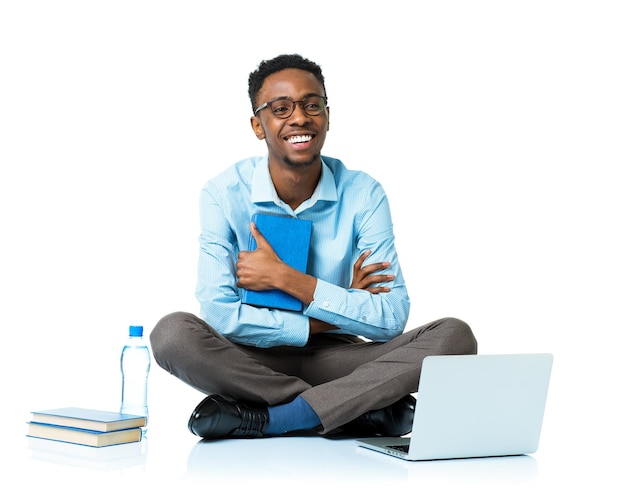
x=290, y=238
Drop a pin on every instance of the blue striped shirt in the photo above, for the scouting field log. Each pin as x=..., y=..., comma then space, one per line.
x=350, y=213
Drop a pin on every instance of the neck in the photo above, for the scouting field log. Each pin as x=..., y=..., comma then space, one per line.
x=295, y=185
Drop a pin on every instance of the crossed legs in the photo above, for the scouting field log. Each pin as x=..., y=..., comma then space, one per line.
x=337, y=376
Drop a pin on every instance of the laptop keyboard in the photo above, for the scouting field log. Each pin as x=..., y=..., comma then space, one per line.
x=399, y=447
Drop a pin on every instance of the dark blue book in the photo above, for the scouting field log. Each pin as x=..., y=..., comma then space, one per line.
x=290, y=238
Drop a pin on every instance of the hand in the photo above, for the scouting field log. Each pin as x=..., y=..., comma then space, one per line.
x=364, y=277
x=256, y=269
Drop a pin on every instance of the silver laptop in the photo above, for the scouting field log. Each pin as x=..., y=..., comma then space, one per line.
x=474, y=406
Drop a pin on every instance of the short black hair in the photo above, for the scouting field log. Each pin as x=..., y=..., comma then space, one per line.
x=271, y=66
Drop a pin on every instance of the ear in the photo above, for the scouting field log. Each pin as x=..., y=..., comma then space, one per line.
x=328, y=118
x=257, y=127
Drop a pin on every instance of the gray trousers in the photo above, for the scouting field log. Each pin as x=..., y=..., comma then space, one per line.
x=340, y=376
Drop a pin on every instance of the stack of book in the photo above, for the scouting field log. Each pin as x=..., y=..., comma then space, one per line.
x=87, y=427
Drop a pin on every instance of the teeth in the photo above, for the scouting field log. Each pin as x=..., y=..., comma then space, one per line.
x=299, y=139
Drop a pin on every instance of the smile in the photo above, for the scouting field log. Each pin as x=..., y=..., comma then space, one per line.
x=298, y=139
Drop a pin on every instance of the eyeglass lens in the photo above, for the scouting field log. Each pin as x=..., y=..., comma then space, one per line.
x=283, y=108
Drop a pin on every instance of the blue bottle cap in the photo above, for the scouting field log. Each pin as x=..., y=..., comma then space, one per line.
x=135, y=331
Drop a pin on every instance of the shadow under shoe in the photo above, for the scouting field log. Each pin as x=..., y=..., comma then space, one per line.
x=393, y=420
x=219, y=417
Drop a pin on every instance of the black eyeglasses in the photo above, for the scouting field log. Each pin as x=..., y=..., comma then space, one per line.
x=283, y=107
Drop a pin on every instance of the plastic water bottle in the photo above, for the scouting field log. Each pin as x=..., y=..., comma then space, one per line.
x=135, y=364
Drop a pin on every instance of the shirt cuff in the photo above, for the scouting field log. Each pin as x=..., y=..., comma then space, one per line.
x=295, y=329
x=327, y=298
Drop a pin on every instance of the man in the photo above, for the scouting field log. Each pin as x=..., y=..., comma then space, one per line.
x=343, y=363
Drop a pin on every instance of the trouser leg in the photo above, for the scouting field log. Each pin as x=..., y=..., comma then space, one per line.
x=191, y=350
x=369, y=376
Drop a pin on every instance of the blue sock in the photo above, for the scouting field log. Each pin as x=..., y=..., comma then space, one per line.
x=295, y=416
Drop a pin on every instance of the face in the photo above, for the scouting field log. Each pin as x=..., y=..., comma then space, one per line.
x=297, y=141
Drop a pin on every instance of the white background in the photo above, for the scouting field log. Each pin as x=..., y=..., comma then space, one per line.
x=497, y=129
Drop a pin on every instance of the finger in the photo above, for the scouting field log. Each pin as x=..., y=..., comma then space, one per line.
x=361, y=259
x=258, y=236
x=377, y=279
x=374, y=267
x=378, y=290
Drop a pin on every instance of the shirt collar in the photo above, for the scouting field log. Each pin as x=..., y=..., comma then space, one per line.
x=262, y=189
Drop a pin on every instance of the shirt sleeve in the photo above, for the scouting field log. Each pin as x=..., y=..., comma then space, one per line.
x=217, y=291
x=377, y=317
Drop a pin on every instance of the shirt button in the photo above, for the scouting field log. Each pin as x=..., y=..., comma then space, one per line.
x=326, y=304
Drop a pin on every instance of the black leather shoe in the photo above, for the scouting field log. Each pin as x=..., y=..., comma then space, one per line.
x=393, y=420
x=219, y=417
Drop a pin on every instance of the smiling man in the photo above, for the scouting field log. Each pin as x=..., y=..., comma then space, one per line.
x=343, y=364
